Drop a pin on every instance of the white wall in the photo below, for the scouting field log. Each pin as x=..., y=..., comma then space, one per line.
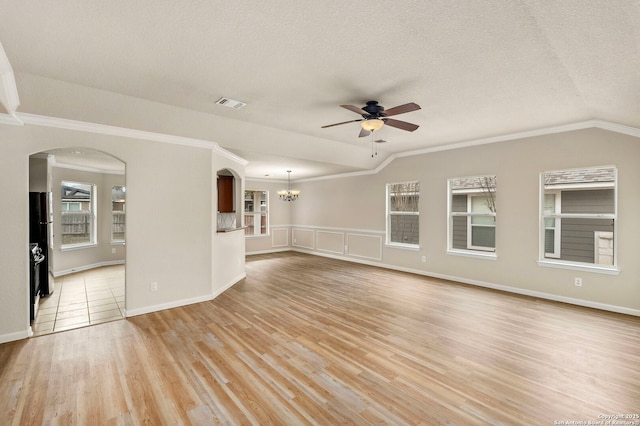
x=169, y=219
x=352, y=209
x=228, y=247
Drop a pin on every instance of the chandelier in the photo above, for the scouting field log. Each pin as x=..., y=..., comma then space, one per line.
x=288, y=194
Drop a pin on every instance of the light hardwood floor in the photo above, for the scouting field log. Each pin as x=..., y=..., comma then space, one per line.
x=311, y=340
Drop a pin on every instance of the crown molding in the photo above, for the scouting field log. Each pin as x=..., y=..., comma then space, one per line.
x=8, y=88
x=103, y=129
x=87, y=169
x=581, y=125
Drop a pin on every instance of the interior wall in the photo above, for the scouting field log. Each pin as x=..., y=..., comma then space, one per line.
x=355, y=207
x=69, y=261
x=228, y=248
x=169, y=219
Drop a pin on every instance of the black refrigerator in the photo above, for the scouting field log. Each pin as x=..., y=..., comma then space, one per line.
x=39, y=223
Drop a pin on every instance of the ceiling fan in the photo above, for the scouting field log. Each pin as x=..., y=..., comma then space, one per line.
x=374, y=116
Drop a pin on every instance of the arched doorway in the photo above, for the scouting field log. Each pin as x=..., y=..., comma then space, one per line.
x=84, y=280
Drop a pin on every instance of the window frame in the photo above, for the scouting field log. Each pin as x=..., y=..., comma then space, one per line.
x=257, y=214
x=482, y=252
x=389, y=214
x=93, y=209
x=557, y=225
x=548, y=261
x=117, y=241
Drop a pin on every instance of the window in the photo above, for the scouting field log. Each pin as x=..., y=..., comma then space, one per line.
x=78, y=214
x=403, y=214
x=577, y=218
x=472, y=216
x=256, y=212
x=118, y=208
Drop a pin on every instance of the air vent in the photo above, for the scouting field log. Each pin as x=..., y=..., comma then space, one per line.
x=230, y=103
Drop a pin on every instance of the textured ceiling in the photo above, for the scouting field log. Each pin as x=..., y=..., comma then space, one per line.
x=477, y=68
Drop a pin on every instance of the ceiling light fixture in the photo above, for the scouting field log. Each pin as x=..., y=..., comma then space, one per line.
x=372, y=124
x=288, y=194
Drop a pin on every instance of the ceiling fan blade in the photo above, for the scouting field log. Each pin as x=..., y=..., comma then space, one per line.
x=401, y=109
x=337, y=124
x=355, y=109
x=364, y=133
x=409, y=127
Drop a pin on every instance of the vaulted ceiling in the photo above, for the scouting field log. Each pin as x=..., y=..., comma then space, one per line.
x=478, y=69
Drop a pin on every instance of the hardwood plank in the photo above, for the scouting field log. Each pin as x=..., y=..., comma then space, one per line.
x=312, y=340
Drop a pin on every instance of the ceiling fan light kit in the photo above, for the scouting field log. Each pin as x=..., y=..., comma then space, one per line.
x=372, y=124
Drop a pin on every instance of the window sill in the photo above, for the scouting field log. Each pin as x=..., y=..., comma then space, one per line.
x=599, y=269
x=78, y=247
x=412, y=247
x=117, y=243
x=474, y=254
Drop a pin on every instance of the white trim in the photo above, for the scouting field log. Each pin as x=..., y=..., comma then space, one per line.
x=480, y=254
x=317, y=233
x=183, y=302
x=10, y=119
x=274, y=231
x=8, y=84
x=86, y=169
x=581, y=186
x=80, y=246
x=366, y=231
x=581, y=125
x=293, y=238
x=17, y=335
x=57, y=274
x=557, y=225
x=251, y=253
x=103, y=129
x=26, y=118
x=414, y=247
x=576, y=266
x=508, y=289
x=349, y=253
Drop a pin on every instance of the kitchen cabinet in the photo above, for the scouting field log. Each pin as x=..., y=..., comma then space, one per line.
x=225, y=194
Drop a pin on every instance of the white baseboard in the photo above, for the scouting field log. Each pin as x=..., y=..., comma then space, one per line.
x=251, y=253
x=228, y=285
x=18, y=335
x=516, y=290
x=168, y=305
x=183, y=302
x=87, y=267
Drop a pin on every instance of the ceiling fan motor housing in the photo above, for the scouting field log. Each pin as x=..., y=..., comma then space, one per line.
x=374, y=109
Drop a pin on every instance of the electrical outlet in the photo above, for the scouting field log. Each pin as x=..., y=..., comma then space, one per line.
x=113, y=250
x=154, y=286
x=578, y=282
x=424, y=259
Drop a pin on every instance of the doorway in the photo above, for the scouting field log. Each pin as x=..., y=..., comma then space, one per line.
x=86, y=248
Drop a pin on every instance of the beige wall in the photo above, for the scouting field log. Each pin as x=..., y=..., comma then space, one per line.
x=167, y=242
x=355, y=207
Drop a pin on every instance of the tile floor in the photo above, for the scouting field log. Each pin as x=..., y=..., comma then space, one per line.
x=81, y=299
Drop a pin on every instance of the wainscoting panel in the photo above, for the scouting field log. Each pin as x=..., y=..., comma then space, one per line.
x=332, y=242
x=303, y=238
x=365, y=246
x=279, y=237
